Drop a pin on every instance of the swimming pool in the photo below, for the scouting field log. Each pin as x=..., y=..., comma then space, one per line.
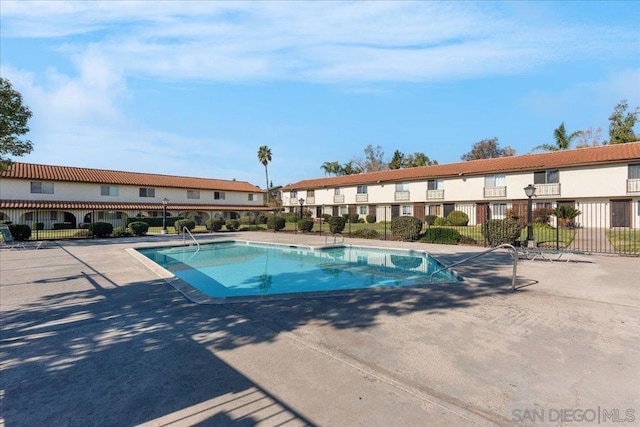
x=235, y=269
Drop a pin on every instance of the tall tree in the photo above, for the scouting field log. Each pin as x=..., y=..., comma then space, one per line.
x=14, y=117
x=562, y=140
x=397, y=161
x=621, y=124
x=487, y=149
x=349, y=169
x=418, y=159
x=373, y=159
x=331, y=168
x=589, y=138
x=264, y=155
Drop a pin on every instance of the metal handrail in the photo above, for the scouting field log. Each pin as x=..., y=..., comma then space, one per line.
x=335, y=236
x=184, y=237
x=514, y=255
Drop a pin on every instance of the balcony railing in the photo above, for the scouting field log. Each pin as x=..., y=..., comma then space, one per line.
x=547, y=189
x=435, y=194
x=362, y=198
x=338, y=198
x=633, y=185
x=310, y=201
x=493, y=192
x=401, y=196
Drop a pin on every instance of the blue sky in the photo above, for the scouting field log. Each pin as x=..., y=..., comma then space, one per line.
x=195, y=88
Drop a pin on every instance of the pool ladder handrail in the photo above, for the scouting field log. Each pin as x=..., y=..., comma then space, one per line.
x=335, y=237
x=184, y=237
x=514, y=255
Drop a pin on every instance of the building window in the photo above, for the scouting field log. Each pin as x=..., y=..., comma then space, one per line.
x=499, y=209
x=294, y=194
x=495, y=181
x=344, y=210
x=363, y=210
x=106, y=190
x=53, y=215
x=363, y=189
x=28, y=216
x=311, y=193
x=544, y=205
x=551, y=176
x=250, y=197
x=109, y=215
x=193, y=194
x=407, y=210
x=435, y=184
x=634, y=171
x=147, y=192
x=42, y=187
x=402, y=186
x=218, y=195
x=337, y=191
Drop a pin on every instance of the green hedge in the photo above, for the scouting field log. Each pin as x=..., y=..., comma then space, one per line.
x=155, y=221
x=214, y=224
x=499, y=231
x=406, y=228
x=139, y=228
x=232, y=224
x=122, y=232
x=441, y=235
x=276, y=223
x=38, y=226
x=366, y=233
x=371, y=219
x=101, y=229
x=181, y=223
x=337, y=224
x=458, y=218
x=305, y=224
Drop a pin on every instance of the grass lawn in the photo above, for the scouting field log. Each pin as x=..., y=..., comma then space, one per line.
x=625, y=240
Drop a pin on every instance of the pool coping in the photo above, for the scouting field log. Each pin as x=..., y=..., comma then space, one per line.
x=198, y=297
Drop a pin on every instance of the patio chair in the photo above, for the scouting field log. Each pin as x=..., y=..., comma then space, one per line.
x=11, y=243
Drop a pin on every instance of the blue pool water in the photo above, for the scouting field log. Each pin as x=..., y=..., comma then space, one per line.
x=242, y=269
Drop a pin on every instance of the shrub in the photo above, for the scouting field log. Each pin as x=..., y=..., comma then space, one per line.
x=251, y=228
x=458, y=218
x=139, y=228
x=62, y=226
x=371, y=219
x=305, y=224
x=366, y=233
x=361, y=221
x=82, y=233
x=429, y=219
x=326, y=217
x=38, y=226
x=514, y=215
x=406, y=228
x=441, y=235
x=84, y=225
x=261, y=219
x=466, y=240
x=290, y=217
x=275, y=223
x=122, y=231
x=181, y=223
x=101, y=229
x=353, y=218
x=214, y=224
x=337, y=224
x=232, y=224
x=20, y=232
x=440, y=221
x=542, y=215
x=155, y=221
x=247, y=220
x=499, y=231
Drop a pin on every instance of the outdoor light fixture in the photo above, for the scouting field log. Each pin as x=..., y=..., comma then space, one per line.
x=164, y=215
x=301, y=201
x=530, y=191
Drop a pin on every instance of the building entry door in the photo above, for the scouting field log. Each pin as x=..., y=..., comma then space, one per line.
x=620, y=213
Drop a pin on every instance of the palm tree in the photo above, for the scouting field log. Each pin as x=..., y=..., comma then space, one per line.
x=264, y=155
x=331, y=168
x=563, y=141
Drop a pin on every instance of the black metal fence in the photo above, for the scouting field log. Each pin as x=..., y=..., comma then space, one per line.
x=611, y=226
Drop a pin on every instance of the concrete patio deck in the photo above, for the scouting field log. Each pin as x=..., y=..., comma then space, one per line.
x=89, y=336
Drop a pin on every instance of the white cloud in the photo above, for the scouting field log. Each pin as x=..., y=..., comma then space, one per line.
x=313, y=41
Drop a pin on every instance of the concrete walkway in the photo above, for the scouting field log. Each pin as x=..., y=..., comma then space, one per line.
x=92, y=337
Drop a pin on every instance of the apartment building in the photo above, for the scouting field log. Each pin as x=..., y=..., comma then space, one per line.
x=606, y=178
x=55, y=194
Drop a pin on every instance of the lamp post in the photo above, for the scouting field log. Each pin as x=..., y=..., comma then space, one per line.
x=530, y=191
x=301, y=201
x=321, y=218
x=274, y=198
x=164, y=215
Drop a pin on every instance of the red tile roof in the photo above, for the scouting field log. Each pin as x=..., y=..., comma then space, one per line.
x=616, y=153
x=41, y=204
x=20, y=170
